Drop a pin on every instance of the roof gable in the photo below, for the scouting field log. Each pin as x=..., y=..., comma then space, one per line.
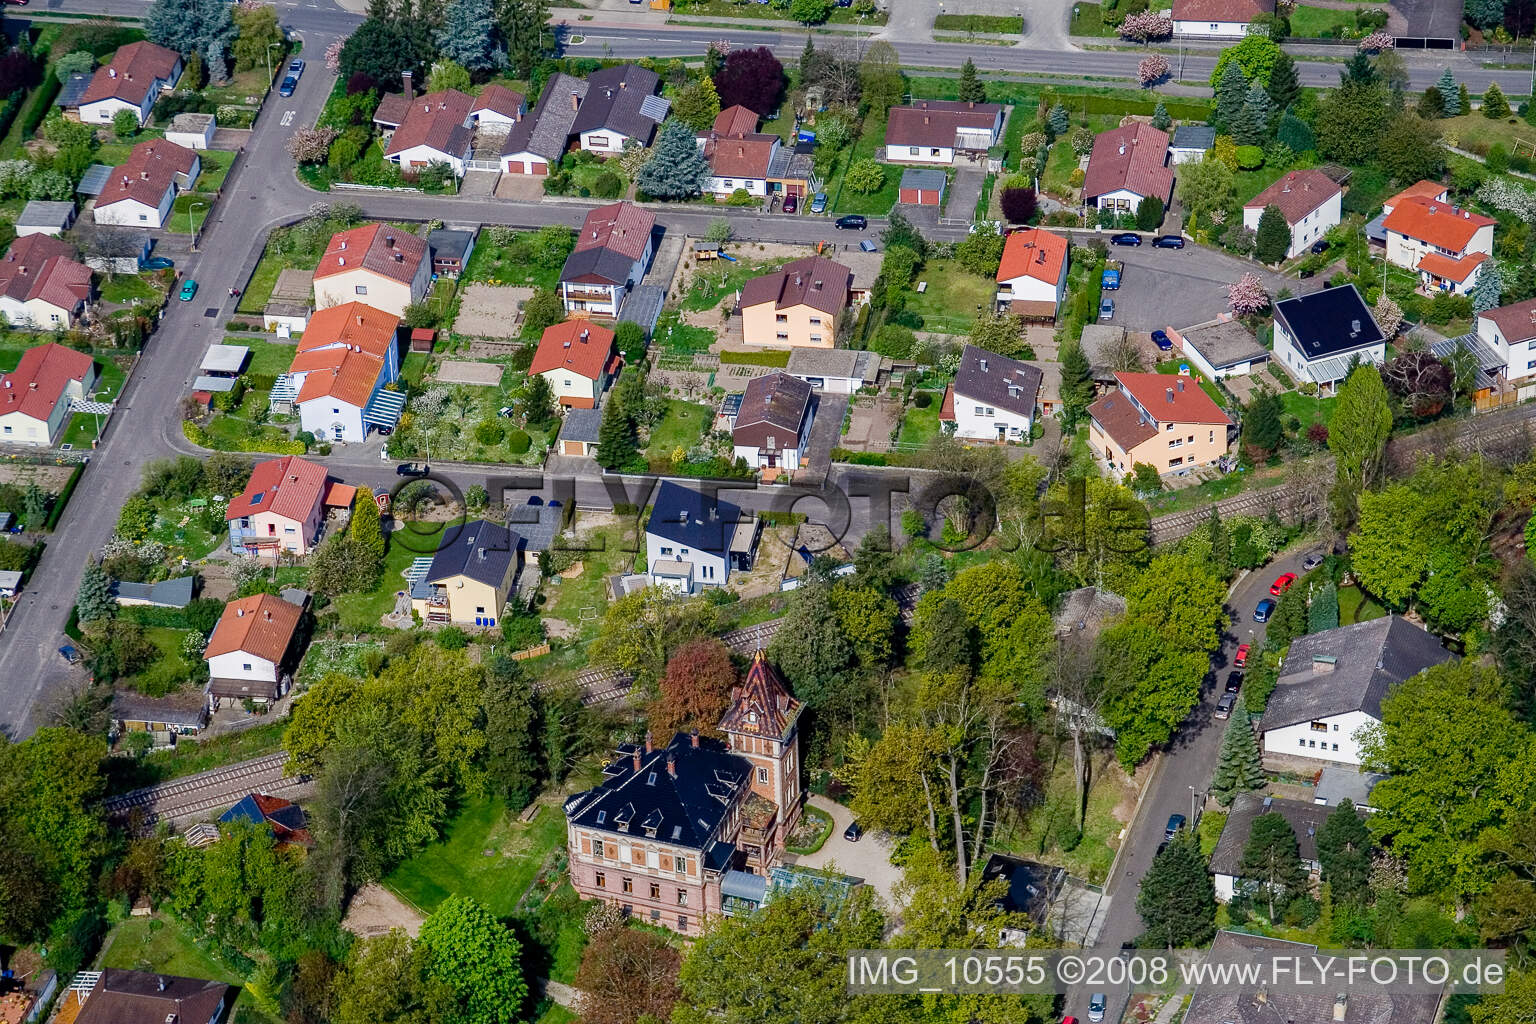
x=813, y=281
x=289, y=487
x=380, y=248
x=134, y=70
x=355, y=325
x=479, y=550
x=772, y=407
x=37, y=384
x=997, y=380
x=1169, y=397
x=1438, y=223
x=1129, y=158
x=580, y=346
x=762, y=705
x=436, y=121
x=149, y=172
x=1328, y=322
x=687, y=517
x=1035, y=253
x=261, y=625
x=1296, y=194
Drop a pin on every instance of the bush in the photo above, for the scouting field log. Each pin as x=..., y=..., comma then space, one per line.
x=923, y=399
x=451, y=638
x=607, y=185
x=1249, y=158
x=518, y=442
x=865, y=177
x=490, y=432
x=741, y=197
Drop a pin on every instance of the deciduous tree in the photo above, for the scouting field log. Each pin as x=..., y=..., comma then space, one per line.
x=627, y=975
x=695, y=690
x=477, y=958
x=753, y=78
x=881, y=81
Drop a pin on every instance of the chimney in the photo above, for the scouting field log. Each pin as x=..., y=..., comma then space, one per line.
x=671, y=766
x=32, y=386
x=160, y=983
x=623, y=84
x=648, y=746
x=359, y=319
x=481, y=553
x=925, y=119
x=1354, y=328
x=111, y=72
x=741, y=150
x=406, y=83
x=343, y=244
x=1340, y=1005
x=575, y=100
x=1170, y=395
x=693, y=738
x=1122, y=149
x=1323, y=663
x=268, y=615
x=983, y=366
x=1181, y=385
x=389, y=240
x=635, y=759
x=585, y=334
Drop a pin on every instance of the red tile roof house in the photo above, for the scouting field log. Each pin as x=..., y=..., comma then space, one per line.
x=140, y=192
x=1446, y=244
x=251, y=654
x=1311, y=201
x=938, y=131
x=382, y=265
x=435, y=129
x=282, y=508
x=41, y=283
x=337, y=379
x=578, y=359
x=1226, y=19
x=35, y=397
x=1126, y=166
x=612, y=253
x=132, y=80
x=1032, y=275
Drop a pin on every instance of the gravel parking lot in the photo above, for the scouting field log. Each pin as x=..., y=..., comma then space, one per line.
x=1181, y=287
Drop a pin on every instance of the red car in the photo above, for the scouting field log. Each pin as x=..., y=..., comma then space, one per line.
x=1240, y=660
x=1069, y=1020
x=1282, y=584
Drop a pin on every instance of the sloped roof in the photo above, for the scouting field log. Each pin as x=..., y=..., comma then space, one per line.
x=1033, y=252
x=937, y=122
x=1121, y=420
x=392, y=109
x=151, y=169
x=681, y=805
x=351, y=325
x=997, y=380
x=614, y=101
x=1431, y=190
x=1172, y=397
x=762, y=705
x=436, y=121
x=1368, y=659
x=500, y=100
x=1323, y=323
x=1304, y=817
x=262, y=625
x=813, y=281
x=284, y=817
x=1194, y=136
x=773, y=406
x=1129, y=158
x=381, y=248
x=689, y=518
x=176, y=593
x=38, y=382
x=1296, y=193
x=133, y=71
x=1221, y=10
x=1438, y=223
x=741, y=156
x=343, y=374
x=43, y=267
x=1449, y=269
x=581, y=425
x=735, y=120
x=622, y=227
x=481, y=550
x=1517, y=322
x=580, y=346
x=44, y=213
x=547, y=127
x=287, y=487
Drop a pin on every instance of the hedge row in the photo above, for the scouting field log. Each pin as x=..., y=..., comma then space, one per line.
x=768, y=357
x=195, y=433
x=63, y=499
x=1075, y=104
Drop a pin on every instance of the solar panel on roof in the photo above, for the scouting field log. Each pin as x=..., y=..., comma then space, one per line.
x=655, y=107
x=94, y=180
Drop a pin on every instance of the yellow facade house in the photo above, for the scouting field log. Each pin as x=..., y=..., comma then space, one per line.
x=471, y=575
x=1164, y=421
x=796, y=306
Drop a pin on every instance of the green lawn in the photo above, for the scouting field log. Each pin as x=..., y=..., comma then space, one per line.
x=1355, y=605
x=676, y=338
x=127, y=288
x=484, y=852
x=190, y=212
x=1088, y=20
x=84, y=428
x=266, y=357
x=160, y=944
x=585, y=176
x=581, y=600
x=1250, y=183
x=709, y=287
x=228, y=433
x=870, y=143
x=919, y=426
x=949, y=303
x=170, y=671
x=216, y=164
x=681, y=426
x=1309, y=409
x=296, y=247
x=999, y=24
x=510, y=264
x=1047, y=831
x=1314, y=22
x=729, y=9
x=407, y=542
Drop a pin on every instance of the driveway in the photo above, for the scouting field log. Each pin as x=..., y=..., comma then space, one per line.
x=964, y=192
x=868, y=859
x=1182, y=287
x=826, y=426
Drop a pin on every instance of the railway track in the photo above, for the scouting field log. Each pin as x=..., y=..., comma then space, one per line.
x=206, y=790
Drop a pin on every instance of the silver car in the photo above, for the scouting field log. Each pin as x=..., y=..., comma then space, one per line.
x=1096, y=1004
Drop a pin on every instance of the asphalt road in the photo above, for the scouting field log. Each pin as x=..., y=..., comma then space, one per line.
x=1185, y=775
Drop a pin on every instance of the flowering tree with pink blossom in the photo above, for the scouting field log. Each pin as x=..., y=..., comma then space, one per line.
x=333, y=56
x=1146, y=26
x=1376, y=42
x=1152, y=70
x=1247, y=295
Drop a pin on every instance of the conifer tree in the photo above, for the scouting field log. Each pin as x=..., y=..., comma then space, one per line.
x=1284, y=85
x=1323, y=612
x=1239, y=768
x=469, y=36
x=1449, y=93
x=972, y=89
x=1160, y=117
x=1231, y=95
x=1177, y=900
x=1273, y=241
x=618, y=442
x=677, y=168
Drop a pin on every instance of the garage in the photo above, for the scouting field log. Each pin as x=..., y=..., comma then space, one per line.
x=922, y=186
x=515, y=167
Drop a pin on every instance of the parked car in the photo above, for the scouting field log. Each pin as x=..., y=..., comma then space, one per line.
x=1312, y=561
x=412, y=469
x=157, y=263
x=1282, y=583
x=1240, y=660
x=1264, y=610
x=1305, y=274
x=1125, y=238
x=1069, y=1020
x=188, y=289
x=1162, y=341
x=296, y=67
x=289, y=84
x=868, y=246
x=1096, y=1004
x=1168, y=242
x=1175, y=822
x=1109, y=280
x=1225, y=705
x=1234, y=680
x=791, y=203
x=853, y=222
x=819, y=202
x=853, y=832
x=1321, y=246
x=69, y=654
x=1107, y=309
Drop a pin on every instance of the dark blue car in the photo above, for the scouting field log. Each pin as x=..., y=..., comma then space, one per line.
x=1264, y=610
x=1161, y=340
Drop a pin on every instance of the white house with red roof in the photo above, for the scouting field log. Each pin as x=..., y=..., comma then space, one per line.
x=435, y=129
x=578, y=359
x=613, y=250
x=1445, y=243
x=139, y=193
x=380, y=264
x=1223, y=19
x=1128, y=164
x=1311, y=201
x=344, y=360
x=938, y=131
x=132, y=80
x=251, y=653
x=35, y=398
x=282, y=508
x=42, y=285
x=1032, y=275
x=498, y=107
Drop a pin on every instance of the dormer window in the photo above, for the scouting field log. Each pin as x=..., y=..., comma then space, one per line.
x=751, y=717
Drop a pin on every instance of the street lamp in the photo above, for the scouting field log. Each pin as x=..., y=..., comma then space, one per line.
x=269, y=62
x=191, y=225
